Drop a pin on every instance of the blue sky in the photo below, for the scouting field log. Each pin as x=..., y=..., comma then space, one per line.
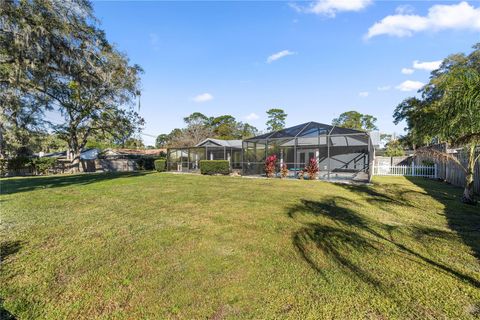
x=326, y=57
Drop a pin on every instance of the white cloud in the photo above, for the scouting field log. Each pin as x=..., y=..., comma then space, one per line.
x=204, y=97
x=405, y=9
x=407, y=71
x=384, y=88
x=427, y=65
x=330, y=8
x=279, y=55
x=252, y=116
x=410, y=85
x=363, y=94
x=461, y=16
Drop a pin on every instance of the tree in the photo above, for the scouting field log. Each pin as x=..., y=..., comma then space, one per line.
x=449, y=111
x=59, y=59
x=394, y=149
x=247, y=130
x=161, y=141
x=225, y=127
x=356, y=120
x=276, y=119
x=133, y=143
x=410, y=110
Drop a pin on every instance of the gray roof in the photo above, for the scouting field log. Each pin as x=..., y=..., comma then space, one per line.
x=306, y=129
x=220, y=143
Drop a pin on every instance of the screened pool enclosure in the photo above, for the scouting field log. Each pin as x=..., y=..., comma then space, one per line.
x=341, y=153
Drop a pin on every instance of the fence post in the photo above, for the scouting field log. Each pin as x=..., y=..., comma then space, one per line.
x=435, y=170
x=413, y=169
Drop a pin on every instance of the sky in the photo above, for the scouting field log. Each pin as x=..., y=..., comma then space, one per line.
x=313, y=59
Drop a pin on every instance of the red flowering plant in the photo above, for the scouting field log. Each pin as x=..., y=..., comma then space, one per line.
x=270, y=164
x=312, y=168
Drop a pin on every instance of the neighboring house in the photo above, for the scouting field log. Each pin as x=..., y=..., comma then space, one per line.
x=126, y=153
x=87, y=154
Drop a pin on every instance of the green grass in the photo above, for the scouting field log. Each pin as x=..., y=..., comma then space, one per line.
x=182, y=246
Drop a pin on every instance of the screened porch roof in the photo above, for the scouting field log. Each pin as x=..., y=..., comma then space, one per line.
x=310, y=131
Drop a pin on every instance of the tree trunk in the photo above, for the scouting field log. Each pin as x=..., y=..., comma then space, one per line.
x=75, y=161
x=469, y=177
x=74, y=152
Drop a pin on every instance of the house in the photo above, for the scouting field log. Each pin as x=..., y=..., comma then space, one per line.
x=341, y=153
x=86, y=154
x=132, y=153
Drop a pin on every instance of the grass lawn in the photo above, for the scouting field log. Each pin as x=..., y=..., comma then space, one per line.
x=183, y=246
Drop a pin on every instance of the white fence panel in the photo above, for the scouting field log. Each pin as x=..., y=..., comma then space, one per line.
x=409, y=171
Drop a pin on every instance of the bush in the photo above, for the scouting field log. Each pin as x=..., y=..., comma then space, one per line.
x=160, y=165
x=214, y=167
x=269, y=167
x=42, y=165
x=18, y=163
x=146, y=163
x=284, y=171
x=3, y=167
x=312, y=168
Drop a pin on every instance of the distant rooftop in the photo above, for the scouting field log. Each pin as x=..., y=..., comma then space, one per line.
x=220, y=143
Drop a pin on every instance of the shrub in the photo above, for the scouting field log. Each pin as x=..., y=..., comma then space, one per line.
x=428, y=163
x=394, y=149
x=146, y=163
x=284, y=171
x=18, y=163
x=42, y=165
x=160, y=165
x=214, y=167
x=269, y=167
x=312, y=168
x=3, y=167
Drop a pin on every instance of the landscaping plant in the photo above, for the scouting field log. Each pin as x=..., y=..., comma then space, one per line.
x=270, y=163
x=284, y=171
x=312, y=168
x=42, y=165
x=214, y=167
x=160, y=165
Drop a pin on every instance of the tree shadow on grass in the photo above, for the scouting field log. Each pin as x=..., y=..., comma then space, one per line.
x=8, y=248
x=463, y=219
x=4, y=313
x=357, y=232
x=15, y=185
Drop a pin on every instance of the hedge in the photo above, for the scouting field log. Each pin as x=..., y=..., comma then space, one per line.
x=42, y=165
x=161, y=165
x=214, y=167
x=146, y=163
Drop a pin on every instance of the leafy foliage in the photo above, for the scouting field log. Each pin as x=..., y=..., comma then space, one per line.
x=356, y=120
x=146, y=163
x=200, y=127
x=276, y=119
x=394, y=149
x=57, y=59
x=270, y=165
x=448, y=110
x=161, y=141
x=161, y=165
x=18, y=163
x=210, y=167
x=312, y=168
x=284, y=171
x=42, y=165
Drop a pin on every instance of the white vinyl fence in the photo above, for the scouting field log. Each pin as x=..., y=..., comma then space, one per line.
x=410, y=171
